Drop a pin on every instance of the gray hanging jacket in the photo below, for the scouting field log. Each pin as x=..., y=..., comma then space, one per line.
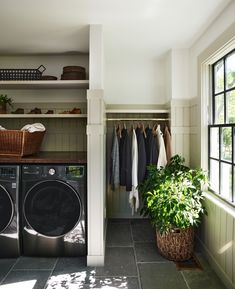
x=151, y=147
x=141, y=154
x=114, y=174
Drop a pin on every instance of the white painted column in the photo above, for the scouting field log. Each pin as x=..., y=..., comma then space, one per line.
x=95, y=152
x=95, y=173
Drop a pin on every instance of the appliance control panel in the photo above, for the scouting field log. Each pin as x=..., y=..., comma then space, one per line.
x=8, y=173
x=68, y=172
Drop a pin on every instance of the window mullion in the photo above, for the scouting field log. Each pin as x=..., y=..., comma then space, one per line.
x=225, y=102
x=213, y=94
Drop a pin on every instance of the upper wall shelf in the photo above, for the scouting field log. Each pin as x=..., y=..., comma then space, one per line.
x=137, y=108
x=137, y=111
x=58, y=115
x=44, y=84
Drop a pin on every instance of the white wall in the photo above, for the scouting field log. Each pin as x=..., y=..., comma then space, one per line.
x=131, y=78
x=168, y=79
x=180, y=73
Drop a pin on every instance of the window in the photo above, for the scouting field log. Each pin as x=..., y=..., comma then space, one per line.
x=222, y=130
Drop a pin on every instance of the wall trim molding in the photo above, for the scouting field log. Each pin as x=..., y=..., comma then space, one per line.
x=95, y=260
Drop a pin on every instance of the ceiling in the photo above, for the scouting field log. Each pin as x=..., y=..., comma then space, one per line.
x=132, y=26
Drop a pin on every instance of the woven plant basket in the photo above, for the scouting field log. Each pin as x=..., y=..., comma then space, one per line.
x=3, y=108
x=176, y=245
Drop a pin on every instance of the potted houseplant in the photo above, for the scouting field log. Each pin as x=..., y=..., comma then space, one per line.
x=4, y=100
x=172, y=199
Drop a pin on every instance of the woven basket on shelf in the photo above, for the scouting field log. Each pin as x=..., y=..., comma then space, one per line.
x=20, y=143
x=73, y=73
x=176, y=245
x=21, y=73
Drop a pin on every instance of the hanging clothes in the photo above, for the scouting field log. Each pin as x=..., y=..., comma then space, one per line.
x=141, y=154
x=134, y=194
x=115, y=177
x=151, y=147
x=162, y=160
x=125, y=160
x=168, y=146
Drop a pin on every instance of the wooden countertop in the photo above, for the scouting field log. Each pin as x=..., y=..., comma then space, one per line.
x=48, y=157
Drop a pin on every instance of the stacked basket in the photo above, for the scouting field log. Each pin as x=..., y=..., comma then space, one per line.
x=73, y=73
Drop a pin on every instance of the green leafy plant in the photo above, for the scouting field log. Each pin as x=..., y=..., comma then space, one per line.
x=4, y=99
x=172, y=196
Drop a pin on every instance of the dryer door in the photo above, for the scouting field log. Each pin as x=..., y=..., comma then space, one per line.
x=52, y=208
x=6, y=209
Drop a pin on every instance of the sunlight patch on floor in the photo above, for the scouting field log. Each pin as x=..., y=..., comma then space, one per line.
x=20, y=285
x=80, y=279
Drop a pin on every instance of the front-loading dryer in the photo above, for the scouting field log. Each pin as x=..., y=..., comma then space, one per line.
x=54, y=210
x=9, y=218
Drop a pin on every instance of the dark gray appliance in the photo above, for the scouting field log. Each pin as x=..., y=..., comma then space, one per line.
x=9, y=217
x=54, y=210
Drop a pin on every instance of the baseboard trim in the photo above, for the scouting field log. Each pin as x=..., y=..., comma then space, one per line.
x=95, y=260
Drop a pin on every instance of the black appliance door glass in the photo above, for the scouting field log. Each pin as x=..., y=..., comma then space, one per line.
x=52, y=208
x=6, y=209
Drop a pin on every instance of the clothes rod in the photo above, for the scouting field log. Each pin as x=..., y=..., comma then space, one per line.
x=137, y=119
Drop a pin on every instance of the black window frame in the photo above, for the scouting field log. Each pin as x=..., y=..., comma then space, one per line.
x=220, y=126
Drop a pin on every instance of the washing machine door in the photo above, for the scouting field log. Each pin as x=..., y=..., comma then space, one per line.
x=52, y=208
x=6, y=209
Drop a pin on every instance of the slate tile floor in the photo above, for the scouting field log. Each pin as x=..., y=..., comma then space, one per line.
x=132, y=262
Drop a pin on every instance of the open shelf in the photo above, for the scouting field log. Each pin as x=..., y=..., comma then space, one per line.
x=44, y=84
x=137, y=111
x=56, y=115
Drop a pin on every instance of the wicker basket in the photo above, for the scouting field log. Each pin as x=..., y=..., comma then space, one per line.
x=22, y=74
x=20, y=143
x=176, y=245
x=74, y=69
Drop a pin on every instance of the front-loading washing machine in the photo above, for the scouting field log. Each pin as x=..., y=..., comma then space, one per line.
x=54, y=210
x=9, y=217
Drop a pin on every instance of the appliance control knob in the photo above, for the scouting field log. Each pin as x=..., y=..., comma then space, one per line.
x=51, y=172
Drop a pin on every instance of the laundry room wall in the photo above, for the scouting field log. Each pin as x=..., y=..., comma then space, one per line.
x=132, y=78
x=218, y=230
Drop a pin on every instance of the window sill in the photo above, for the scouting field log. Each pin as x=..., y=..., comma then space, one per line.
x=217, y=200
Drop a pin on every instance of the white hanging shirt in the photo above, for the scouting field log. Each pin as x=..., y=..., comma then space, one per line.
x=134, y=195
x=162, y=160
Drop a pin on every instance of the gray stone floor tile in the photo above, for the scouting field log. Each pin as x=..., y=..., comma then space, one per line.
x=148, y=252
x=161, y=276
x=142, y=231
x=5, y=266
x=117, y=220
x=200, y=279
x=119, y=261
x=35, y=263
x=118, y=234
x=69, y=265
x=26, y=279
x=120, y=269
x=203, y=279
